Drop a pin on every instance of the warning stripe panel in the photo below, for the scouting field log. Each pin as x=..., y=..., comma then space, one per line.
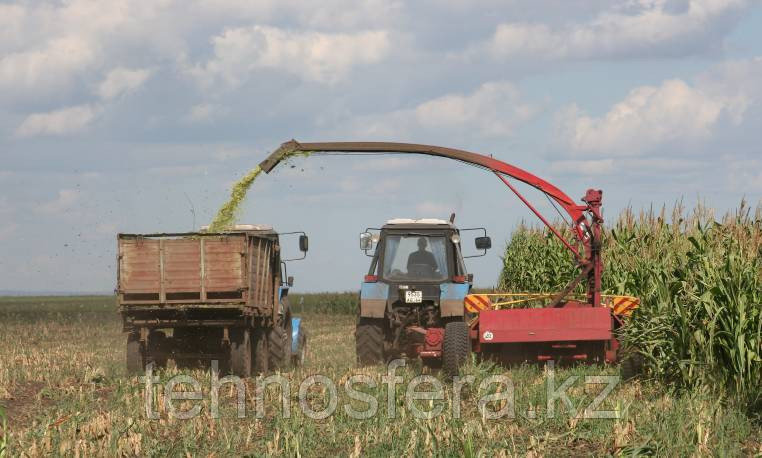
x=624, y=305
x=475, y=303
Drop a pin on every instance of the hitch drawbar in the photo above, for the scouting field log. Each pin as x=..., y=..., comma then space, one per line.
x=431, y=344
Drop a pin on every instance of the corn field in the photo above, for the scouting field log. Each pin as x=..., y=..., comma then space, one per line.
x=700, y=285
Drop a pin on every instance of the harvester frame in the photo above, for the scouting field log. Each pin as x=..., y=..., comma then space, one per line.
x=564, y=328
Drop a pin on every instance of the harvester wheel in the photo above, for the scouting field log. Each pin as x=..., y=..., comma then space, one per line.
x=456, y=348
x=369, y=341
x=632, y=366
x=280, y=346
x=135, y=358
x=240, y=352
x=260, y=353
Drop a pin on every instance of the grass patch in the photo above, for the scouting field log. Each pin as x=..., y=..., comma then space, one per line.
x=64, y=388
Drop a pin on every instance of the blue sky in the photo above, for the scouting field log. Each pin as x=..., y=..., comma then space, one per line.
x=132, y=116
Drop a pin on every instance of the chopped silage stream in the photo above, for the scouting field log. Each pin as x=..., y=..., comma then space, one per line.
x=227, y=215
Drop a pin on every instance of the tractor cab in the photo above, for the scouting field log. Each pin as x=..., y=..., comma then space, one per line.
x=417, y=281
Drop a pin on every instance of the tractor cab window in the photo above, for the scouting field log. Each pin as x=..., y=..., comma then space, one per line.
x=415, y=258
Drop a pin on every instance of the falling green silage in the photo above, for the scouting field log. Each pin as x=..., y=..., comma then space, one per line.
x=226, y=215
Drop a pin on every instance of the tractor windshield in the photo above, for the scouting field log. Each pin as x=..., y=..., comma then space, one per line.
x=413, y=257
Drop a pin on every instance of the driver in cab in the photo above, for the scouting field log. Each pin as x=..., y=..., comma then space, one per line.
x=422, y=257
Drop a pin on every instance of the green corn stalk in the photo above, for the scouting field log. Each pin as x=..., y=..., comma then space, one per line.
x=700, y=285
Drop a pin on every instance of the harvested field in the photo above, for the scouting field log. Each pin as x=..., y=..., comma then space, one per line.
x=64, y=389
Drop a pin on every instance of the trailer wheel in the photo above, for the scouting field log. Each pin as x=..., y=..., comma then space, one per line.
x=260, y=353
x=279, y=342
x=369, y=341
x=157, y=348
x=456, y=348
x=240, y=352
x=135, y=357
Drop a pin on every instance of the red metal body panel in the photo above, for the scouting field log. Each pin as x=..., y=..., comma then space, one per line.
x=545, y=325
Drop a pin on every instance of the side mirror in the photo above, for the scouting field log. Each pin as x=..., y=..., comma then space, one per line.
x=366, y=241
x=304, y=243
x=290, y=281
x=470, y=278
x=483, y=243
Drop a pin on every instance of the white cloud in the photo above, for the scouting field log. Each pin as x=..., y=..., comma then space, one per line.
x=312, y=56
x=593, y=167
x=433, y=210
x=65, y=200
x=650, y=117
x=493, y=109
x=327, y=14
x=179, y=170
x=59, y=122
x=387, y=164
x=106, y=229
x=122, y=80
x=7, y=230
x=634, y=28
x=11, y=24
x=745, y=175
x=631, y=165
x=205, y=112
x=46, y=67
x=6, y=208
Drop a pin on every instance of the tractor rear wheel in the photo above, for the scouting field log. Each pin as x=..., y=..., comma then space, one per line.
x=456, y=348
x=369, y=341
x=280, y=345
x=240, y=352
x=135, y=357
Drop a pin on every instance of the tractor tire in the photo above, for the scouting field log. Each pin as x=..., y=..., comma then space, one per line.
x=135, y=356
x=260, y=355
x=456, y=348
x=240, y=352
x=297, y=359
x=279, y=342
x=369, y=341
x=631, y=366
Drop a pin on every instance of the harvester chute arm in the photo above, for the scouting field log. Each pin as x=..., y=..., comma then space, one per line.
x=586, y=230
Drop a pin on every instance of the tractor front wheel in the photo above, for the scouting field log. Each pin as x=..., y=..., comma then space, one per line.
x=280, y=345
x=369, y=341
x=456, y=348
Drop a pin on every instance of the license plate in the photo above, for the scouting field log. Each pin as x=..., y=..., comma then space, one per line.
x=413, y=297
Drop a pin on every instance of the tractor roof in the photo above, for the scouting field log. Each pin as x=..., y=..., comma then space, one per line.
x=423, y=223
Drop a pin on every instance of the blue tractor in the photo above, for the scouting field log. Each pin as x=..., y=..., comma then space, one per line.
x=412, y=298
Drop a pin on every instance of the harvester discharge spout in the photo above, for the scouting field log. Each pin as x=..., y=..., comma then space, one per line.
x=585, y=218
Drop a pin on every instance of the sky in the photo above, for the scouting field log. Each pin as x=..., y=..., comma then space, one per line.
x=138, y=116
